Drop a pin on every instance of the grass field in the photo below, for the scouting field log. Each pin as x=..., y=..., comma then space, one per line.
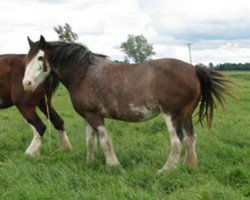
x=142, y=148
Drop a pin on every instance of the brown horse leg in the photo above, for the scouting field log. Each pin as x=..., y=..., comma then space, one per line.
x=57, y=122
x=91, y=141
x=38, y=129
x=190, y=141
x=97, y=123
x=176, y=136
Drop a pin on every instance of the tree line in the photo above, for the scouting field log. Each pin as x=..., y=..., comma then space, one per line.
x=230, y=66
x=137, y=49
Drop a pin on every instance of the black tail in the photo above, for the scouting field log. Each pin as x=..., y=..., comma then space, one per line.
x=214, y=86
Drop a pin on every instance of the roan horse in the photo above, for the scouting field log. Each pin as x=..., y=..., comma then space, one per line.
x=12, y=69
x=101, y=88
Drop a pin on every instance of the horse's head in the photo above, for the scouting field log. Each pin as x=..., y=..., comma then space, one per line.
x=37, y=65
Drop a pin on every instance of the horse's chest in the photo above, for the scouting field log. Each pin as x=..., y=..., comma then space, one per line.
x=5, y=98
x=5, y=103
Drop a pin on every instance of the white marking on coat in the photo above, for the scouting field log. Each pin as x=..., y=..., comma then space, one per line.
x=91, y=141
x=174, y=154
x=107, y=146
x=64, y=141
x=103, y=110
x=144, y=111
x=189, y=142
x=35, y=145
x=169, y=123
x=34, y=72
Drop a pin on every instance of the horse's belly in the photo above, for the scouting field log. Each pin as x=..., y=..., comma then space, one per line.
x=143, y=113
x=133, y=113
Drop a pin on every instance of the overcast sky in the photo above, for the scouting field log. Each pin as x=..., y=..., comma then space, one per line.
x=219, y=30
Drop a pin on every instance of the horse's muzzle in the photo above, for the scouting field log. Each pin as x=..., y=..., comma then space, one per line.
x=28, y=85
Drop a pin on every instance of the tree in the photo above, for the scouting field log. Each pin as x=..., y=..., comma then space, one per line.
x=125, y=61
x=65, y=33
x=137, y=48
x=211, y=65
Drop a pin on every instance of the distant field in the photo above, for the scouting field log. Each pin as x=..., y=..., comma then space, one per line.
x=142, y=148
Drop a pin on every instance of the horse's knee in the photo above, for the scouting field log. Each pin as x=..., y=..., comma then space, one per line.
x=39, y=126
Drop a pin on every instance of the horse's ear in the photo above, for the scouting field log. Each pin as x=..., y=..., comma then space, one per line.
x=44, y=45
x=30, y=41
x=42, y=42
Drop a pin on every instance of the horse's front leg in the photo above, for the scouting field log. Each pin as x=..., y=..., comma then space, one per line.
x=91, y=141
x=57, y=122
x=38, y=129
x=97, y=123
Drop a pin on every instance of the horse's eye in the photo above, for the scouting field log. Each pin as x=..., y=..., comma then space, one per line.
x=40, y=58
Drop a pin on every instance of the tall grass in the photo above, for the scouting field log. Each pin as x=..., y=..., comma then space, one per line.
x=142, y=148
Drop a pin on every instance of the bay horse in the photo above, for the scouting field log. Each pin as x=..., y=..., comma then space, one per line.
x=12, y=67
x=100, y=88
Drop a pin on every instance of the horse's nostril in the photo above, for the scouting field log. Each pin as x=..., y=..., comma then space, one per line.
x=27, y=84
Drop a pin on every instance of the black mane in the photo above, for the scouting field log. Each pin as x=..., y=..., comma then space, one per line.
x=67, y=52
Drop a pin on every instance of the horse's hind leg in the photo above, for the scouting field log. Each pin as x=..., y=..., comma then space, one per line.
x=190, y=141
x=57, y=122
x=176, y=136
x=38, y=129
x=91, y=141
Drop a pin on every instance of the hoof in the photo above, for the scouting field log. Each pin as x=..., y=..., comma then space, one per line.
x=66, y=147
x=90, y=158
x=191, y=162
x=162, y=171
x=165, y=169
x=32, y=154
x=113, y=163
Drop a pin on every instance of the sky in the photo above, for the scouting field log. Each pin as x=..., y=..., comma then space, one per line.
x=218, y=30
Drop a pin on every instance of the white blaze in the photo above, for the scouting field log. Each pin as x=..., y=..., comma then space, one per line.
x=34, y=73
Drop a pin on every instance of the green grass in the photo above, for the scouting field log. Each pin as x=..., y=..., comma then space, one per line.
x=142, y=148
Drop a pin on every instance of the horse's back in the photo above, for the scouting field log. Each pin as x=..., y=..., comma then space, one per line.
x=11, y=59
x=170, y=64
x=9, y=64
x=12, y=69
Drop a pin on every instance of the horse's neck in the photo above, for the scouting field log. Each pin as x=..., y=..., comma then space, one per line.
x=69, y=76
